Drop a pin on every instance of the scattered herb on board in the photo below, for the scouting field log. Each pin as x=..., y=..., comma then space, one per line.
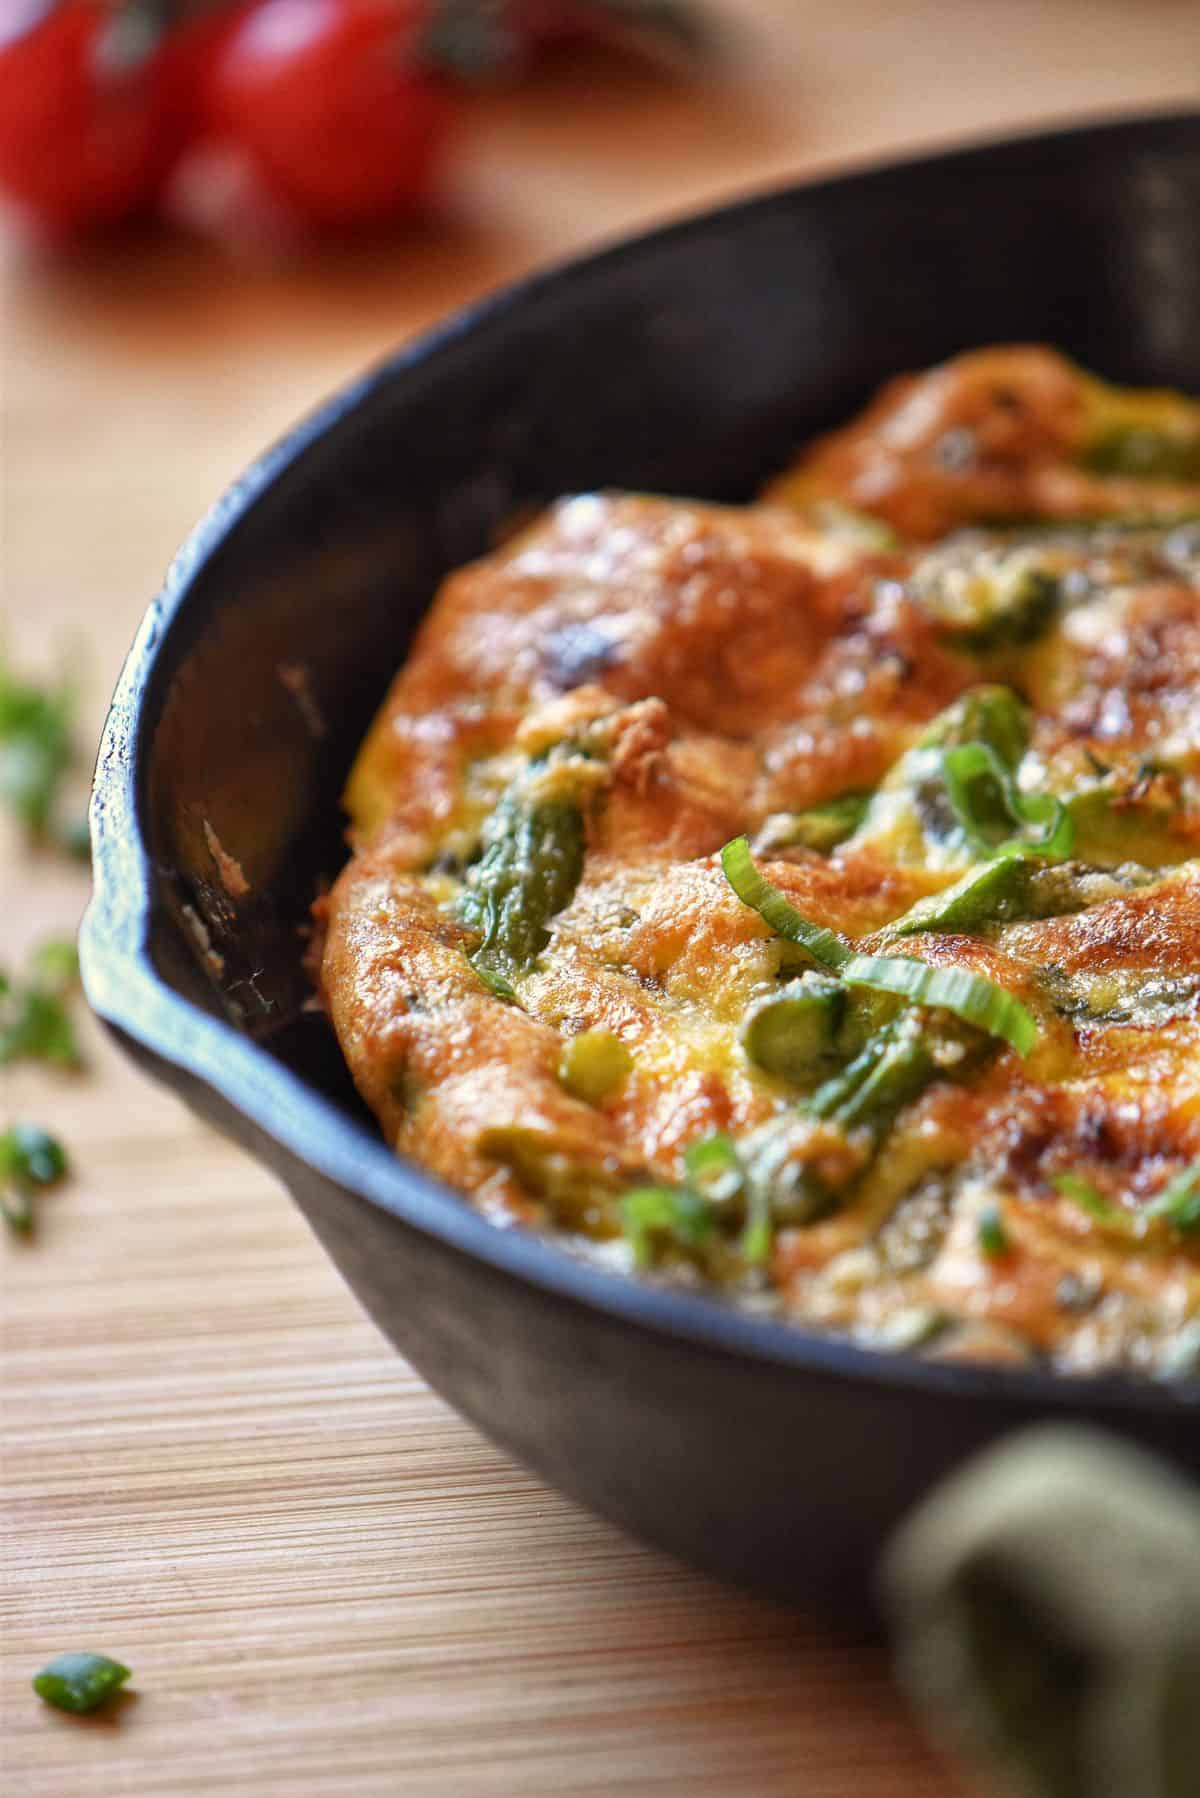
x=31, y=1160
x=37, y=753
x=35, y=1018
x=80, y=1682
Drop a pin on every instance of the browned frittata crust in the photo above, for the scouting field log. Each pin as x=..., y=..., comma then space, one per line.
x=549, y=992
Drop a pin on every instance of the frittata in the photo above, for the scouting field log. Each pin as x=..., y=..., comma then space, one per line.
x=801, y=901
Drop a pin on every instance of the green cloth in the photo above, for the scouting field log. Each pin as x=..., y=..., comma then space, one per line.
x=1046, y=1608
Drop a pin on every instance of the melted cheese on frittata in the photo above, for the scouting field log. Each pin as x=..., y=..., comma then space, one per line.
x=944, y=678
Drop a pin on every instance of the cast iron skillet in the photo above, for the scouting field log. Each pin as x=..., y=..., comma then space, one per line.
x=689, y=361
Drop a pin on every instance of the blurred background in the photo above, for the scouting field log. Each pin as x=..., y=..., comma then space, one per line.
x=212, y=1464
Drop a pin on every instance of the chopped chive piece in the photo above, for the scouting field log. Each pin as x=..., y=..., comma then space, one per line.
x=1178, y=1204
x=993, y=1237
x=593, y=1065
x=714, y=1168
x=493, y=979
x=715, y=1171
x=80, y=1682
x=971, y=997
x=912, y=1328
x=992, y=715
x=758, y=1238
x=774, y=909
x=651, y=1215
x=1089, y=1198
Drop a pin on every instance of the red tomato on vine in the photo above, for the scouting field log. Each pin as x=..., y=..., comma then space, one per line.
x=258, y=118
x=84, y=137
x=333, y=105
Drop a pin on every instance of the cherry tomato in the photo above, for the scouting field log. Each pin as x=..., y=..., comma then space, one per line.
x=332, y=104
x=196, y=38
x=83, y=131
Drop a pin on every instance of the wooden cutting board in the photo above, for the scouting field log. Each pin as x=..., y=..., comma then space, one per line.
x=212, y=1465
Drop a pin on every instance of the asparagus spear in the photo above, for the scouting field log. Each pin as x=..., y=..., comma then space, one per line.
x=894, y=1068
x=794, y=1032
x=531, y=865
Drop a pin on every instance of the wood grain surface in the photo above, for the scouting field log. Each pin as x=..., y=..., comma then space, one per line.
x=212, y=1465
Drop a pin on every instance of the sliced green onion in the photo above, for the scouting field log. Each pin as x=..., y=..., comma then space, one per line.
x=80, y=1682
x=1089, y=1198
x=1178, y=1204
x=649, y=1213
x=754, y=890
x=714, y=1168
x=912, y=1328
x=493, y=980
x=993, y=715
x=994, y=814
x=715, y=1171
x=971, y=997
x=993, y=1237
x=758, y=1238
